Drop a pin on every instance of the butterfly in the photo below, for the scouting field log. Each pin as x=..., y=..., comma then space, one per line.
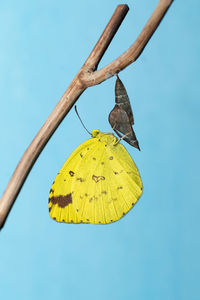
x=99, y=183
x=121, y=117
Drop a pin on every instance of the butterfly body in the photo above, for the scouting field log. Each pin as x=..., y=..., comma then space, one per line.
x=99, y=183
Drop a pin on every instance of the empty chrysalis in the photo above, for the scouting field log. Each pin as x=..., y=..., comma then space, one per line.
x=121, y=117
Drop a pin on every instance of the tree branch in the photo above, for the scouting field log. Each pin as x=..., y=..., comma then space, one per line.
x=106, y=38
x=133, y=52
x=87, y=76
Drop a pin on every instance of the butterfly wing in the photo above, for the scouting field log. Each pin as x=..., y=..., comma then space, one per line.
x=99, y=183
x=109, y=184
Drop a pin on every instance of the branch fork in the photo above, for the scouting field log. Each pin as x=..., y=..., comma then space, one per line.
x=87, y=76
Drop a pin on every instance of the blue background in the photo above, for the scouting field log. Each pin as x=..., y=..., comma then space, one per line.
x=153, y=252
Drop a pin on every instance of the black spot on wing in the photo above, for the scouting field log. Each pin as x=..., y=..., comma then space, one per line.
x=62, y=201
x=97, y=178
x=104, y=193
x=80, y=179
x=119, y=188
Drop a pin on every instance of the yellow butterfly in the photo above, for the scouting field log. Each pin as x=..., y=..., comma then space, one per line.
x=99, y=183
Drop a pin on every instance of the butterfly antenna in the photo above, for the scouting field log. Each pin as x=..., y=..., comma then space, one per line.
x=81, y=120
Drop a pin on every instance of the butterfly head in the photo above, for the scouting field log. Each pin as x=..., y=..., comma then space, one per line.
x=107, y=138
x=95, y=132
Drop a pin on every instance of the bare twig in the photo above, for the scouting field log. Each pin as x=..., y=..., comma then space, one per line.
x=87, y=76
